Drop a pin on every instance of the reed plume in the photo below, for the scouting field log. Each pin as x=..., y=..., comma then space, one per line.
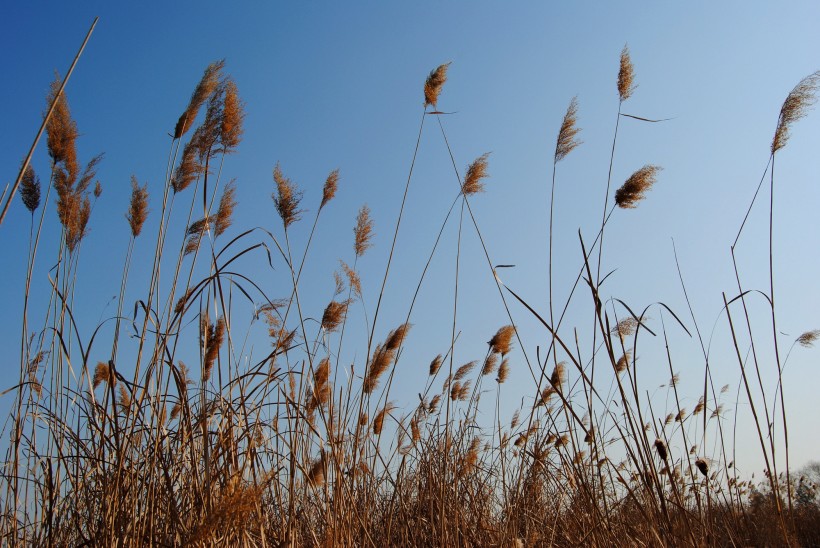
x=286, y=198
x=464, y=370
x=353, y=279
x=333, y=315
x=233, y=114
x=30, y=189
x=188, y=169
x=381, y=360
x=206, y=86
x=475, y=173
x=807, y=339
x=329, y=190
x=225, y=212
x=501, y=343
x=363, y=231
x=634, y=189
x=104, y=373
x=433, y=85
x=503, y=371
x=567, y=137
x=626, y=76
x=795, y=107
x=213, y=335
x=62, y=130
x=138, y=207
x=435, y=365
x=490, y=365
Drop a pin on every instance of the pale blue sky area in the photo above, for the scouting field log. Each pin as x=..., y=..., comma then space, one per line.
x=339, y=85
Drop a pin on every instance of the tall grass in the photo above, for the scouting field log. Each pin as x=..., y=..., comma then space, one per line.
x=180, y=435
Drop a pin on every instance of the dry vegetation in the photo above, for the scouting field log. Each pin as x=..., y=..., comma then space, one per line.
x=110, y=446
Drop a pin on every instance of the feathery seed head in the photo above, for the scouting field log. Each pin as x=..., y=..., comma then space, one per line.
x=475, y=173
x=634, y=189
x=226, y=206
x=329, y=190
x=396, y=337
x=353, y=279
x=104, y=373
x=138, y=207
x=660, y=447
x=503, y=371
x=61, y=129
x=559, y=376
x=30, y=189
x=434, y=83
x=188, y=169
x=567, y=141
x=462, y=371
x=204, y=89
x=333, y=315
x=435, y=364
x=623, y=363
x=233, y=114
x=807, y=339
x=286, y=198
x=501, y=343
x=490, y=365
x=795, y=107
x=626, y=76
x=363, y=231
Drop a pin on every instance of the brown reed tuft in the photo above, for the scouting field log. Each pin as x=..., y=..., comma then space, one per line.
x=503, y=371
x=188, y=169
x=138, y=207
x=104, y=373
x=204, y=89
x=195, y=233
x=378, y=420
x=807, y=339
x=475, y=173
x=286, y=198
x=625, y=327
x=333, y=315
x=470, y=458
x=363, y=231
x=316, y=474
x=660, y=447
x=462, y=371
x=559, y=376
x=435, y=364
x=415, y=431
x=634, y=189
x=30, y=189
x=490, y=365
x=703, y=466
x=501, y=343
x=338, y=282
x=795, y=107
x=623, y=363
x=681, y=415
x=61, y=130
x=434, y=404
x=213, y=338
x=545, y=397
x=329, y=190
x=433, y=85
x=567, y=137
x=626, y=76
x=381, y=360
x=353, y=279
x=97, y=189
x=699, y=407
x=233, y=114
x=226, y=206
x=464, y=392
x=397, y=336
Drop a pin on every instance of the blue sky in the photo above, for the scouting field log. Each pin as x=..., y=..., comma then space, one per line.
x=339, y=85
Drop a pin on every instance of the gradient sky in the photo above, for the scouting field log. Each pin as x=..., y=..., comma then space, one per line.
x=339, y=85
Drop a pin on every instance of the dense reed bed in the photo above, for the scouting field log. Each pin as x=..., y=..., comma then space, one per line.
x=161, y=426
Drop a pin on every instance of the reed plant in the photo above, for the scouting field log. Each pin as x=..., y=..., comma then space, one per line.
x=182, y=433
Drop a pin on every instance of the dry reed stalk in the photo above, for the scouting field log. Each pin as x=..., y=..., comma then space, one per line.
x=137, y=207
x=634, y=189
x=433, y=85
x=626, y=76
x=567, y=136
x=363, y=231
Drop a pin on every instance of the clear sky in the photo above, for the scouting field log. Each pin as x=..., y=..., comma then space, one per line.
x=339, y=85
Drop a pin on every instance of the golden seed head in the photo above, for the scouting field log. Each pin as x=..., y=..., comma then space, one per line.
x=286, y=198
x=138, y=207
x=501, y=342
x=503, y=371
x=353, y=279
x=396, y=337
x=475, y=173
x=204, y=89
x=795, y=107
x=104, y=373
x=333, y=315
x=625, y=327
x=226, y=206
x=634, y=189
x=363, y=231
x=233, y=114
x=559, y=376
x=660, y=447
x=626, y=76
x=435, y=364
x=623, y=363
x=331, y=185
x=188, y=169
x=464, y=370
x=434, y=83
x=567, y=141
x=490, y=365
x=61, y=129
